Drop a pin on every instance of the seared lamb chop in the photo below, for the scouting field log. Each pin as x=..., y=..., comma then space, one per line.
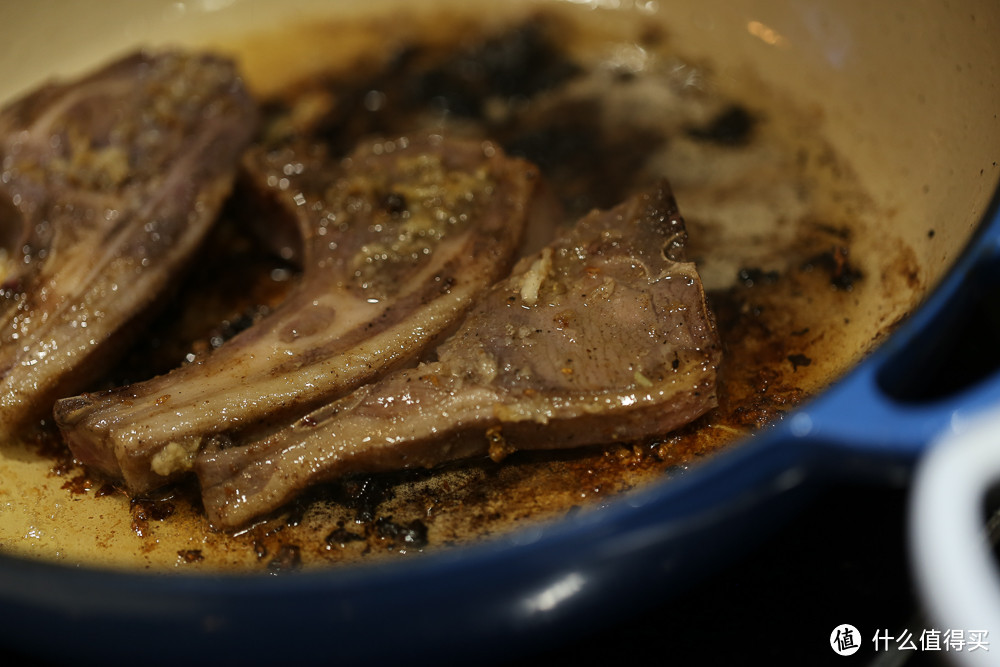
x=398, y=240
x=107, y=186
x=603, y=336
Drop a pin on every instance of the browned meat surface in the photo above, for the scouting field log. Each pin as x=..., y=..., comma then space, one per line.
x=398, y=240
x=107, y=186
x=603, y=336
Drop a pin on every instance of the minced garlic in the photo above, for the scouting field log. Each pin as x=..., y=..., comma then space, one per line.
x=531, y=280
x=175, y=457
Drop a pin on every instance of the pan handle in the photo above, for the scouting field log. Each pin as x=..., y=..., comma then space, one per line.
x=890, y=407
x=864, y=427
x=956, y=574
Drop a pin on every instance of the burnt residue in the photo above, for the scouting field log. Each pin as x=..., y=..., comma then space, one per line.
x=107, y=489
x=404, y=535
x=341, y=536
x=765, y=398
x=732, y=127
x=189, y=556
x=140, y=519
x=287, y=559
x=168, y=503
x=79, y=484
x=750, y=276
x=513, y=66
x=361, y=495
x=363, y=498
x=836, y=262
x=154, y=509
x=566, y=135
x=43, y=437
x=753, y=389
x=467, y=81
x=489, y=89
x=798, y=360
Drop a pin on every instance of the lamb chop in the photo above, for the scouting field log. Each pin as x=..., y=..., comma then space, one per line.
x=397, y=241
x=108, y=184
x=603, y=336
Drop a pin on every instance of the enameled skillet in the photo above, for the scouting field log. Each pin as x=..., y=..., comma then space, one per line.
x=908, y=90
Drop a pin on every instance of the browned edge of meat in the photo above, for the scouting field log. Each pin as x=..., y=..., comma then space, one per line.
x=399, y=240
x=603, y=336
x=109, y=184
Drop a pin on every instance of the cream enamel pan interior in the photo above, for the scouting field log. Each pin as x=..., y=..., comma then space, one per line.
x=905, y=91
